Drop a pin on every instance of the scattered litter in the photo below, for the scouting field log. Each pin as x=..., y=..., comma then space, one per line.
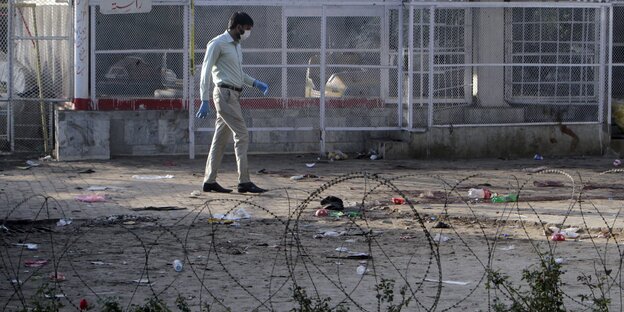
x=262, y=171
x=161, y=208
x=35, y=263
x=350, y=240
x=152, y=177
x=100, y=263
x=57, y=277
x=353, y=256
x=64, y=222
x=321, y=212
x=567, y=233
x=538, y=157
x=87, y=171
x=342, y=249
x=24, y=167
x=557, y=237
x=16, y=282
x=374, y=157
x=91, y=198
x=234, y=215
x=441, y=225
x=32, y=163
x=83, y=305
x=509, y=198
x=361, y=269
x=548, y=183
x=560, y=261
x=46, y=158
x=219, y=221
x=447, y=282
x=97, y=188
x=177, y=265
x=398, y=200
x=479, y=193
x=129, y=223
x=310, y=165
x=195, y=194
x=169, y=163
x=406, y=237
x=143, y=281
x=303, y=176
x=441, y=238
x=28, y=246
x=535, y=170
x=332, y=203
x=617, y=163
x=507, y=248
x=337, y=155
x=57, y=296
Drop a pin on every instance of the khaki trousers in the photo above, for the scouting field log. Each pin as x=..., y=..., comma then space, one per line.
x=229, y=121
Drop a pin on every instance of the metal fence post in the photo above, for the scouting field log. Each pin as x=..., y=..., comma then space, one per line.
x=322, y=77
x=410, y=70
x=431, y=61
x=401, y=56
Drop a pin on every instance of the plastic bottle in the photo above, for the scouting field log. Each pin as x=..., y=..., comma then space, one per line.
x=483, y=193
x=177, y=265
x=505, y=198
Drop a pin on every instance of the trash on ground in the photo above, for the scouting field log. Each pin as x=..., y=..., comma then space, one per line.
x=32, y=163
x=160, y=208
x=342, y=249
x=100, y=263
x=57, y=277
x=310, y=165
x=505, y=198
x=87, y=171
x=535, y=170
x=332, y=203
x=441, y=238
x=481, y=193
x=617, y=163
x=560, y=261
x=91, y=198
x=177, y=265
x=548, y=183
x=24, y=167
x=398, y=200
x=353, y=256
x=46, y=158
x=568, y=232
x=557, y=237
x=35, y=263
x=460, y=283
x=143, y=281
x=374, y=157
x=361, y=269
x=538, y=157
x=234, y=215
x=64, y=222
x=262, y=171
x=329, y=234
x=97, y=188
x=28, y=246
x=337, y=155
x=507, y=248
x=441, y=225
x=304, y=176
x=84, y=305
x=195, y=194
x=152, y=177
x=220, y=221
x=321, y=212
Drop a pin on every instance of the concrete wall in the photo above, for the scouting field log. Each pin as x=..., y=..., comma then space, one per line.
x=100, y=135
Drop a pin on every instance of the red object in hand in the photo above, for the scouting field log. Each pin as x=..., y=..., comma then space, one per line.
x=83, y=304
x=321, y=213
x=398, y=200
x=557, y=237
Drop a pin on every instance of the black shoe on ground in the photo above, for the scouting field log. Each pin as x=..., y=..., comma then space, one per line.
x=249, y=187
x=215, y=187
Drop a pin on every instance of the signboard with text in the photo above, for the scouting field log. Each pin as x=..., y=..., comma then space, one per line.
x=125, y=6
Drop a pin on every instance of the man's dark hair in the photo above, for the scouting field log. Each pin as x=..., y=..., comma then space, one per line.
x=239, y=18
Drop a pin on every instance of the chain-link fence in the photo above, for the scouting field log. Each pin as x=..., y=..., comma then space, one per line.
x=35, y=72
x=372, y=66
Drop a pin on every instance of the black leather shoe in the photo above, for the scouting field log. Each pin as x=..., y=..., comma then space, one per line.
x=215, y=187
x=249, y=187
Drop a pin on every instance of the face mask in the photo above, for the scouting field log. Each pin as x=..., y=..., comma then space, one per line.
x=245, y=34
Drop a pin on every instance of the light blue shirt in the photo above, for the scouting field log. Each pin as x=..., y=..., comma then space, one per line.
x=223, y=63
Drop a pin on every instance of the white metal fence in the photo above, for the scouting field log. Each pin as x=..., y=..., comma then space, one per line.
x=372, y=66
x=35, y=71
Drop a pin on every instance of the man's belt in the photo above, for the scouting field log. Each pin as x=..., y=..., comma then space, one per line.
x=227, y=86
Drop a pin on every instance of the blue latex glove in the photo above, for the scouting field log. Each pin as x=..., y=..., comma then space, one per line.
x=263, y=87
x=204, y=109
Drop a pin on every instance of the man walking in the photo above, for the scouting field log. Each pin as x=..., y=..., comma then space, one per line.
x=223, y=63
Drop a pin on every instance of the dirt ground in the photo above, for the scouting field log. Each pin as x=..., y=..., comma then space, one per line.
x=438, y=246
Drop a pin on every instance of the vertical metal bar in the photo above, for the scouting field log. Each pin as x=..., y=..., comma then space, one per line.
x=610, y=74
x=431, y=71
x=284, y=55
x=189, y=73
x=601, y=72
x=93, y=59
x=322, y=77
x=401, y=57
x=410, y=70
x=10, y=125
x=468, y=27
x=39, y=73
x=186, y=55
x=384, y=56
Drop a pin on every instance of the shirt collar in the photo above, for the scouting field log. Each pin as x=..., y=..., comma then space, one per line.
x=228, y=37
